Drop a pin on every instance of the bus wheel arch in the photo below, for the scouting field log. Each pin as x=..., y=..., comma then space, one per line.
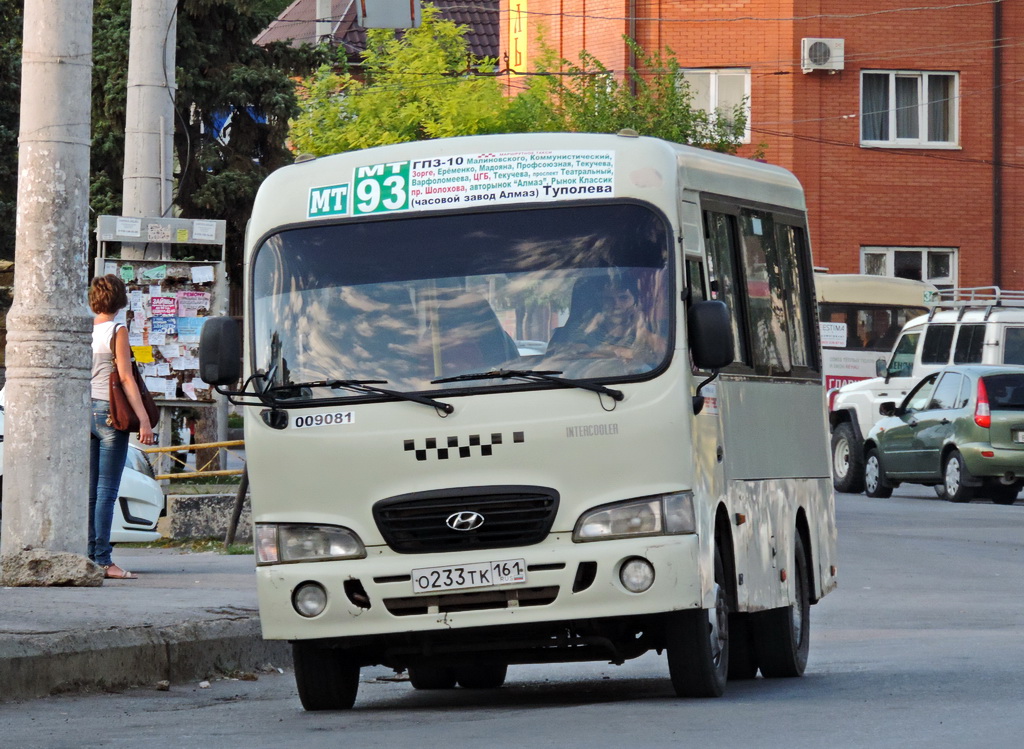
x=742, y=647
x=697, y=640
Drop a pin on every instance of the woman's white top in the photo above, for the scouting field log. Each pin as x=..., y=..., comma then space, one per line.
x=102, y=360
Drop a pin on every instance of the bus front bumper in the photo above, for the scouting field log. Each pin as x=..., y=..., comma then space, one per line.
x=564, y=581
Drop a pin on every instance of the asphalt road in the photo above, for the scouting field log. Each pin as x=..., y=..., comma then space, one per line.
x=921, y=646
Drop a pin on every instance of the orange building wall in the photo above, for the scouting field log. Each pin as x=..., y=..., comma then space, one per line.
x=810, y=123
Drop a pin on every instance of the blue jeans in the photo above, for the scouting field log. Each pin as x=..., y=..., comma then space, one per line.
x=108, y=449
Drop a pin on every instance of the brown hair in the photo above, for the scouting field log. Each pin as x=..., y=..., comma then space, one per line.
x=107, y=294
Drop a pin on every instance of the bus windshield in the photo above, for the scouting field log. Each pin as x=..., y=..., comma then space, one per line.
x=582, y=291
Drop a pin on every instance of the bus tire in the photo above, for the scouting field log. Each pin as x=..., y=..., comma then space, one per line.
x=847, y=460
x=327, y=678
x=1004, y=495
x=742, y=648
x=431, y=677
x=697, y=644
x=481, y=675
x=874, y=477
x=784, y=634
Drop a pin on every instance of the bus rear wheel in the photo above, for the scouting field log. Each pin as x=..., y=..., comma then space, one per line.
x=481, y=675
x=784, y=634
x=327, y=678
x=697, y=643
x=431, y=677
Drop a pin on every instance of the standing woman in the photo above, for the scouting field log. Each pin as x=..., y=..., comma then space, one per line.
x=109, y=446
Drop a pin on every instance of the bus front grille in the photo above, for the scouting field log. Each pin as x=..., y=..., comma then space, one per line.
x=466, y=520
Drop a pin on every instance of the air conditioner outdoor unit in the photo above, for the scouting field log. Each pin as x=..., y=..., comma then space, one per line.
x=821, y=54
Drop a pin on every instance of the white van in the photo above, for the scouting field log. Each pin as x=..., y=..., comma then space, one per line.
x=983, y=325
x=431, y=495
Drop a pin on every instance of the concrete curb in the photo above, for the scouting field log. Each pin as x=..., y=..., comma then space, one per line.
x=44, y=664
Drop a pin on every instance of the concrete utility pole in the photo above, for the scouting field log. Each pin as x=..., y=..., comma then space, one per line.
x=48, y=350
x=324, y=22
x=149, y=126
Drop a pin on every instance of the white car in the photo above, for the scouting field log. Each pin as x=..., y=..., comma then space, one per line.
x=140, y=503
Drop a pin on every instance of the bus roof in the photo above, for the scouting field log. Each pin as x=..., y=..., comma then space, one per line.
x=853, y=288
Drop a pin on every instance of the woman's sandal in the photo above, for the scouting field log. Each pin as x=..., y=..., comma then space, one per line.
x=113, y=572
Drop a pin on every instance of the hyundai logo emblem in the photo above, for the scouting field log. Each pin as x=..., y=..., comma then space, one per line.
x=464, y=521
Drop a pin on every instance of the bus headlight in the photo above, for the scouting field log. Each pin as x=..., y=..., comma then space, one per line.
x=305, y=543
x=668, y=514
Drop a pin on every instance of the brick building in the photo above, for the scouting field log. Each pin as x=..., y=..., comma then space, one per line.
x=904, y=132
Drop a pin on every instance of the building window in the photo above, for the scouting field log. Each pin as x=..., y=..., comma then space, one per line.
x=908, y=109
x=722, y=93
x=936, y=265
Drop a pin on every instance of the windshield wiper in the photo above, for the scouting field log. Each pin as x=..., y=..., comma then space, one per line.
x=549, y=375
x=359, y=386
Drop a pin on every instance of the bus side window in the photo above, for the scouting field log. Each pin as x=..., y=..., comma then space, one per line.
x=695, y=280
x=791, y=246
x=765, y=294
x=723, y=277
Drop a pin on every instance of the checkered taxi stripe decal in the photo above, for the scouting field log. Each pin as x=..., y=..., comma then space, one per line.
x=453, y=447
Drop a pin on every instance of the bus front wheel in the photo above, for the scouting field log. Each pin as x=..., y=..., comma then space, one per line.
x=697, y=643
x=327, y=678
x=784, y=634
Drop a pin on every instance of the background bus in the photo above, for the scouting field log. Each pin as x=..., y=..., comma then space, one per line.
x=860, y=318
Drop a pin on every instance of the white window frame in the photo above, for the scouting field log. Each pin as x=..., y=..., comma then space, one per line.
x=713, y=74
x=921, y=76
x=943, y=282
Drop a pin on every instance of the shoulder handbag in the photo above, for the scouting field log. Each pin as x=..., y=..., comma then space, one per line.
x=122, y=416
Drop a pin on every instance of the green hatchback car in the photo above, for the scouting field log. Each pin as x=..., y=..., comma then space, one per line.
x=960, y=429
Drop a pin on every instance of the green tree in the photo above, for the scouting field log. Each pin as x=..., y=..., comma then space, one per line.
x=10, y=97
x=412, y=86
x=423, y=84
x=651, y=98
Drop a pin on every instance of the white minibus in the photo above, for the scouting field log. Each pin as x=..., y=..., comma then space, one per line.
x=527, y=399
x=860, y=317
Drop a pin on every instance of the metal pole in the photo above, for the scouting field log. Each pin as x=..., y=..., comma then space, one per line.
x=148, y=147
x=236, y=512
x=47, y=407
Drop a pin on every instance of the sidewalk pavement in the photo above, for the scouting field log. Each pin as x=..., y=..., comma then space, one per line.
x=188, y=616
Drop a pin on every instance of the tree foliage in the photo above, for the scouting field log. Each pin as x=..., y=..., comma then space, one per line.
x=408, y=87
x=418, y=85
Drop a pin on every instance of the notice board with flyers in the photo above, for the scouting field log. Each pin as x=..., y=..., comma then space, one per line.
x=168, y=300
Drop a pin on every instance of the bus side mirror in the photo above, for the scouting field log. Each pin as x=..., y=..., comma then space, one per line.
x=710, y=330
x=220, y=351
